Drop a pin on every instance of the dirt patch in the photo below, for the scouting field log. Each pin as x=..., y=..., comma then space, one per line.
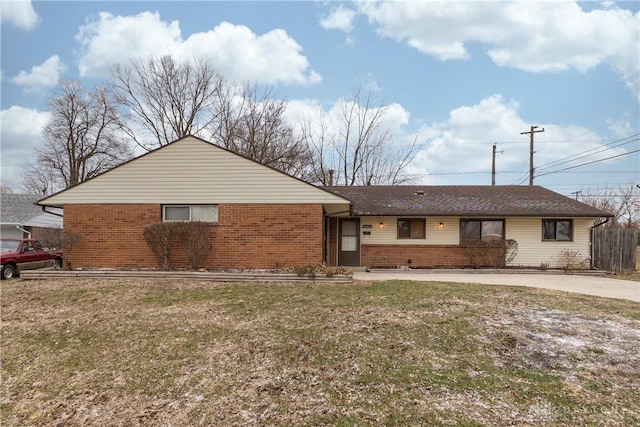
x=539, y=337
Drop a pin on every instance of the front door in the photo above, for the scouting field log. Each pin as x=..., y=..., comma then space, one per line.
x=349, y=243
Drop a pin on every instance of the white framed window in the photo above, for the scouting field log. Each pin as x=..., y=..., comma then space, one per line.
x=204, y=213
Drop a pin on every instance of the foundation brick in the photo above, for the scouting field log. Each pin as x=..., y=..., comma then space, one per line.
x=428, y=256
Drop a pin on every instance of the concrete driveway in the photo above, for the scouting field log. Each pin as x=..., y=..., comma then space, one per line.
x=582, y=284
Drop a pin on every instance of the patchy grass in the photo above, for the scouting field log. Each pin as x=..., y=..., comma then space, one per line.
x=163, y=352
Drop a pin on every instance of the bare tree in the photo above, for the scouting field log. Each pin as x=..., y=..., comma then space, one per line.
x=165, y=100
x=250, y=122
x=39, y=180
x=623, y=203
x=316, y=132
x=358, y=145
x=81, y=139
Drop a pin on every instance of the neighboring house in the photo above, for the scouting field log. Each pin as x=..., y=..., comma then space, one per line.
x=20, y=216
x=261, y=218
x=426, y=226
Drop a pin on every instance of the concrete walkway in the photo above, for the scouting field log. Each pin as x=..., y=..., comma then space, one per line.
x=582, y=284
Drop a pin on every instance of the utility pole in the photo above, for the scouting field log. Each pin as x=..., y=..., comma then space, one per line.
x=577, y=193
x=531, y=132
x=493, y=165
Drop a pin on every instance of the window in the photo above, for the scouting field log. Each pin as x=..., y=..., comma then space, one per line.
x=557, y=229
x=411, y=229
x=204, y=213
x=480, y=229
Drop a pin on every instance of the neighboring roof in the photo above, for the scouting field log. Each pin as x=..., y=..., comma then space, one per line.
x=18, y=208
x=464, y=201
x=191, y=171
x=46, y=220
x=22, y=209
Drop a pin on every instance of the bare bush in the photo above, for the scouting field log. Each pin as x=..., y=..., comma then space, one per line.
x=161, y=238
x=197, y=245
x=490, y=253
x=50, y=238
x=511, y=251
x=570, y=260
x=68, y=240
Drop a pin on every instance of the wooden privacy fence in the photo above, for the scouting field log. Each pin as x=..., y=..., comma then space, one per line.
x=614, y=249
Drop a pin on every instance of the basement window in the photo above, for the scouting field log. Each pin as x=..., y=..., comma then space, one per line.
x=557, y=229
x=203, y=213
x=411, y=228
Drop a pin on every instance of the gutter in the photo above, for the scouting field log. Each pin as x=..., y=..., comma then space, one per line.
x=44, y=209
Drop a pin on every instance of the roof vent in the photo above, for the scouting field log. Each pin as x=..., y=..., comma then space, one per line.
x=419, y=193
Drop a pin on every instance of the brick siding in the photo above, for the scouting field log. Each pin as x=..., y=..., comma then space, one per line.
x=420, y=256
x=332, y=242
x=246, y=236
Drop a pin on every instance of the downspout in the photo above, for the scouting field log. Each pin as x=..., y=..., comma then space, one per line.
x=591, y=239
x=24, y=231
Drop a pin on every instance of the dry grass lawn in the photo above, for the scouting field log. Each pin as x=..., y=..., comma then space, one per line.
x=166, y=352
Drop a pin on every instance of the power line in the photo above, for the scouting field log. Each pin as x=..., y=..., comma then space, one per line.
x=592, y=162
x=590, y=152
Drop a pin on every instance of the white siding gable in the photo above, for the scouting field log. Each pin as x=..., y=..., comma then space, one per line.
x=193, y=171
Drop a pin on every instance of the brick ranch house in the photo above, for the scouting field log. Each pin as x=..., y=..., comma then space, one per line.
x=427, y=226
x=261, y=218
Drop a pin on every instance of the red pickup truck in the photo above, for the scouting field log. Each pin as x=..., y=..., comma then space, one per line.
x=25, y=254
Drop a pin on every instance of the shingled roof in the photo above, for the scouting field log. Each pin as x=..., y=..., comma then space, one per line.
x=19, y=208
x=465, y=201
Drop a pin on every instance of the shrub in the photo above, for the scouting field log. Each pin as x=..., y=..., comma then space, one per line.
x=570, y=260
x=490, y=253
x=197, y=245
x=67, y=241
x=51, y=238
x=161, y=238
x=511, y=250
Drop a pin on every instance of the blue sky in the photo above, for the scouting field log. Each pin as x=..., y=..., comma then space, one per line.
x=458, y=76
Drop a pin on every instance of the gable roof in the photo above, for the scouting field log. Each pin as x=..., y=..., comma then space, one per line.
x=22, y=209
x=193, y=171
x=464, y=201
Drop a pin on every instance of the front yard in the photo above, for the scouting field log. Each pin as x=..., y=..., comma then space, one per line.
x=109, y=352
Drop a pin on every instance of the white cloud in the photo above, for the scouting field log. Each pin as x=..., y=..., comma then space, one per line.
x=531, y=36
x=622, y=127
x=462, y=145
x=20, y=133
x=41, y=76
x=234, y=50
x=340, y=18
x=19, y=13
